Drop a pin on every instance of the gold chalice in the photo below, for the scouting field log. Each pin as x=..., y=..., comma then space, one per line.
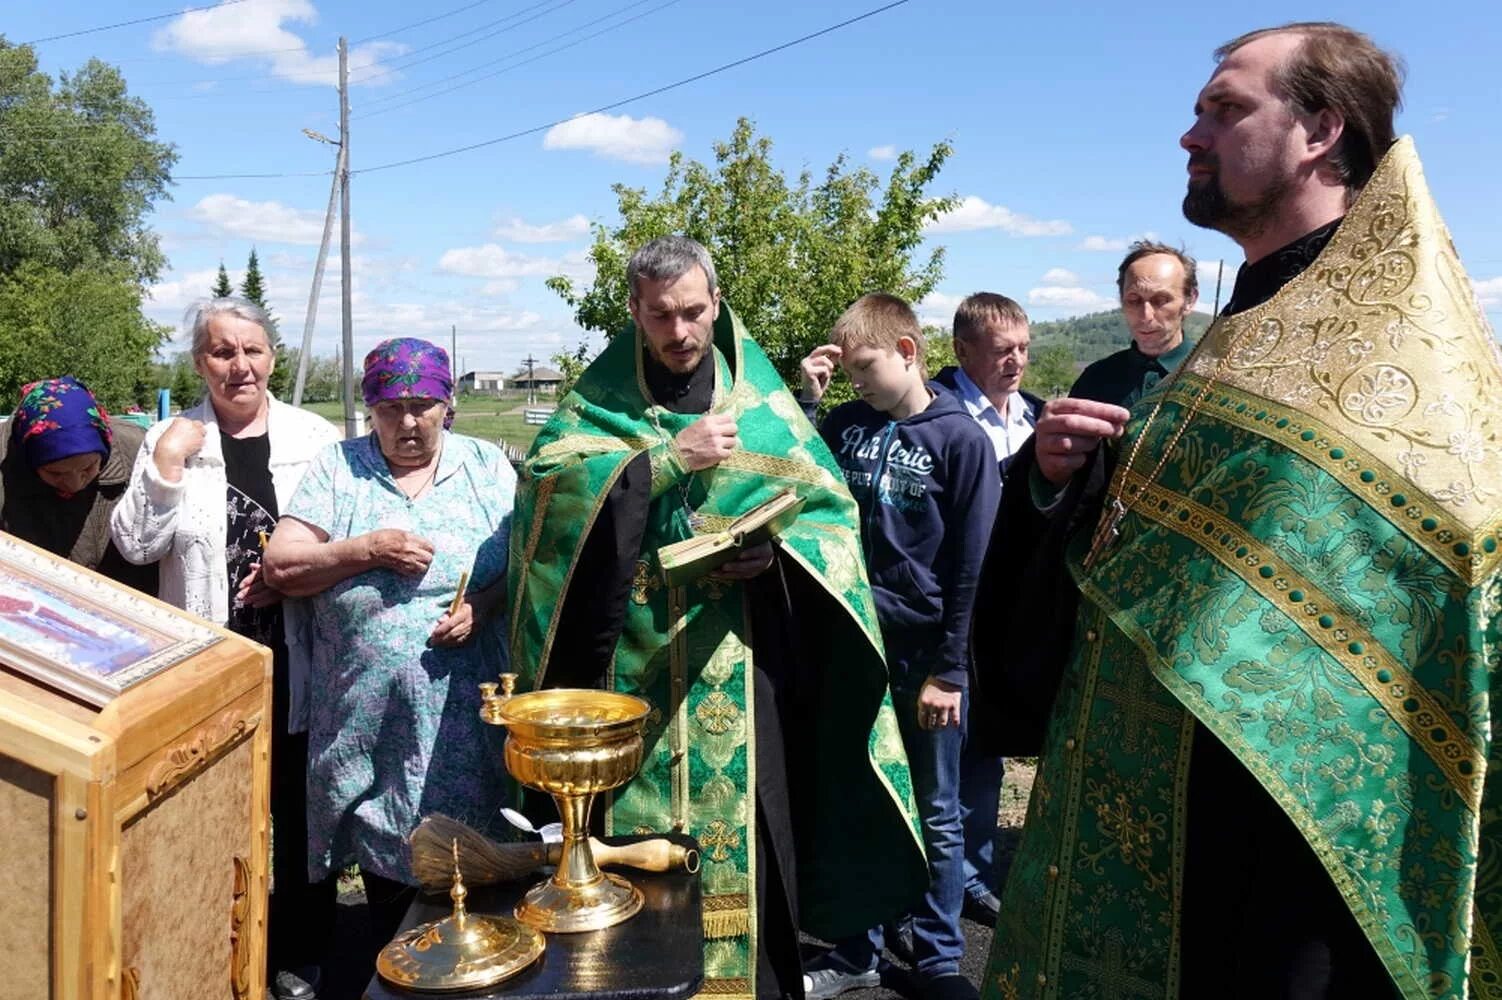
x=571, y=744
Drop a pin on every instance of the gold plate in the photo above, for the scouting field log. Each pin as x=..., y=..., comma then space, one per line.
x=460, y=952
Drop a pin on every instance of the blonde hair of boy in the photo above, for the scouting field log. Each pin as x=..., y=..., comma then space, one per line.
x=879, y=320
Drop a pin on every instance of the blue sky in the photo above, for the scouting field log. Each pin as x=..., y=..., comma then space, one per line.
x=1065, y=119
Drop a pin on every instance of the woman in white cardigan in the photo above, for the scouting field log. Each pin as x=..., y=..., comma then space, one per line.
x=205, y=493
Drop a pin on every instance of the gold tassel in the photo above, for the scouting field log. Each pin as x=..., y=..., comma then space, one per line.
x=727, y=924
x=727, y=915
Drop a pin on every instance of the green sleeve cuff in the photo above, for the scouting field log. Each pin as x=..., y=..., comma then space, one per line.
x=667, y=467
x=1045, y=494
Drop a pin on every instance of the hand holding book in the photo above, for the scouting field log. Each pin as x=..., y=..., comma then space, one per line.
x=685, y=561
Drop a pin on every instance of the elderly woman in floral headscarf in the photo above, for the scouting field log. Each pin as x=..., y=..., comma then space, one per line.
x=381, y=535
x=63, y=467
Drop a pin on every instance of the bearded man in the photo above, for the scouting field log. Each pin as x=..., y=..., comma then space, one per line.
x=772, y=738
x=1269, y=771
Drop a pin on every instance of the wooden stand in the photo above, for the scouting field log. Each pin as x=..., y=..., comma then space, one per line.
x=136, y=836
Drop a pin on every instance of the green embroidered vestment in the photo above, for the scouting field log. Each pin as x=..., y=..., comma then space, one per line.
x=688, y=650
x=1314, y=576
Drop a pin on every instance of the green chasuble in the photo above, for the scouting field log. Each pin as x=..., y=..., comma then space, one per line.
x=688, y=650
x=1313, y=575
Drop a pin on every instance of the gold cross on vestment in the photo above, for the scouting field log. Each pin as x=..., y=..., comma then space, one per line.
x=1137, y=706
x=643, y=582
x=1108, y=972
x=720, y=838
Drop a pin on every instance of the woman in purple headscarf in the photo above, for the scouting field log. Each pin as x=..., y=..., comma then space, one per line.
x=63, y=467
x=381, y=535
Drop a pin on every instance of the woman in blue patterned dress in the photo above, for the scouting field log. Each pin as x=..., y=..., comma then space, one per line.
x=379, y=535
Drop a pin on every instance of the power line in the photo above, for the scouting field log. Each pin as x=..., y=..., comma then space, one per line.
x=300, y=48
x=419, y=24
x=376, y=64
x=515, y=52
x=250, y=177
x=510, y=55
x=126, y=24
x=638, y=97
x=395, y=67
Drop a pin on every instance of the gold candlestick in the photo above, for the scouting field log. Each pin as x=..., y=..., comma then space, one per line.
x=572, y=744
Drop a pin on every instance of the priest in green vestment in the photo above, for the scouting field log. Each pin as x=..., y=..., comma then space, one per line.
x=772, y=738
x=1269, y=769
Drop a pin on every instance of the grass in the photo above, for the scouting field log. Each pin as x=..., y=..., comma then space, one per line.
x=489, y=420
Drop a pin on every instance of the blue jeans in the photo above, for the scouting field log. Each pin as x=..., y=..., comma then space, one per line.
x=980, y=798
x=934, y=759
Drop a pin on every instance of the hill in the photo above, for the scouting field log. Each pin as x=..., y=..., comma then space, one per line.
x=1093, y=336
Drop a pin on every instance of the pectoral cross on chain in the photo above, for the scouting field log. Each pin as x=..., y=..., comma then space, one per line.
x=1106, y=532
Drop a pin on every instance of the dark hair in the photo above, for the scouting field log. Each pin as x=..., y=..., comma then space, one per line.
x=1148, y=248
x=982, y=309
x=1342, y=70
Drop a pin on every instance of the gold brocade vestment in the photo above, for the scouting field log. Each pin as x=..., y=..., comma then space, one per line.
x=1314, y=576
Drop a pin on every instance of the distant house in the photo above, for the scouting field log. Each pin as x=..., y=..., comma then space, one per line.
x=482, y=382
x=543, y=380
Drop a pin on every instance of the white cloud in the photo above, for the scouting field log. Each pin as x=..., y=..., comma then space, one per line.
x=937, y=309
x=1103, y=243
x=170, y=298
x=497, y=263
x=264, y=221
x=254, y=30
x=974, y=213
x=1060, y=276
x=1490, y=292
x=500, y=286
x=1061, y=297
x=882, y=152
x=516, y=231
x=616, y=137
x=1112, y=244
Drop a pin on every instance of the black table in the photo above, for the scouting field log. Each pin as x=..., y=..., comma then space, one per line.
x=656, y=955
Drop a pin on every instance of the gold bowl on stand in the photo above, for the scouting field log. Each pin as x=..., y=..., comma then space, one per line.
x=572, y=744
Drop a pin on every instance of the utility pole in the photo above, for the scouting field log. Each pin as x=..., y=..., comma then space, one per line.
x=531, y=380
x=354, y=422
x=305, y=356
x=1220, y=272
x=454, y=350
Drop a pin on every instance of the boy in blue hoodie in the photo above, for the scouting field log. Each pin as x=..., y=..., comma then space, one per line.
x=924, y=475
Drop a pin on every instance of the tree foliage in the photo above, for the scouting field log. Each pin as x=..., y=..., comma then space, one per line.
x=571, y=365
x=253, y=289
x=790, y=255
x=1050, y=369
x=82, y=323
x=80, y=169
x=222, y=287
x=1095, y=335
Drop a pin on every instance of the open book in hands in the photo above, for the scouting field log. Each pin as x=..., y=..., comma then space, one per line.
x=685, y=561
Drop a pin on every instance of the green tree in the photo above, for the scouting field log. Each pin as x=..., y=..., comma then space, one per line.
x=80, y=170
x=571, y=365
x=186, y=385
x=82, y=323
x=790, y=256
x=222, y=287
x=253, y=289
x=253, y=285
x=1050, y=370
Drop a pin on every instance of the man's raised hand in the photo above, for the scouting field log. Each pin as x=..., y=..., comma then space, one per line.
x=707, y=441
x=1069, y=430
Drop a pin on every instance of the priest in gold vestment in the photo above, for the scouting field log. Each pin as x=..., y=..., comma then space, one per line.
x=1269, y=770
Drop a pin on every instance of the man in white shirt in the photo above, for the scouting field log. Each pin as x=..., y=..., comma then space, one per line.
x=991, y=344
